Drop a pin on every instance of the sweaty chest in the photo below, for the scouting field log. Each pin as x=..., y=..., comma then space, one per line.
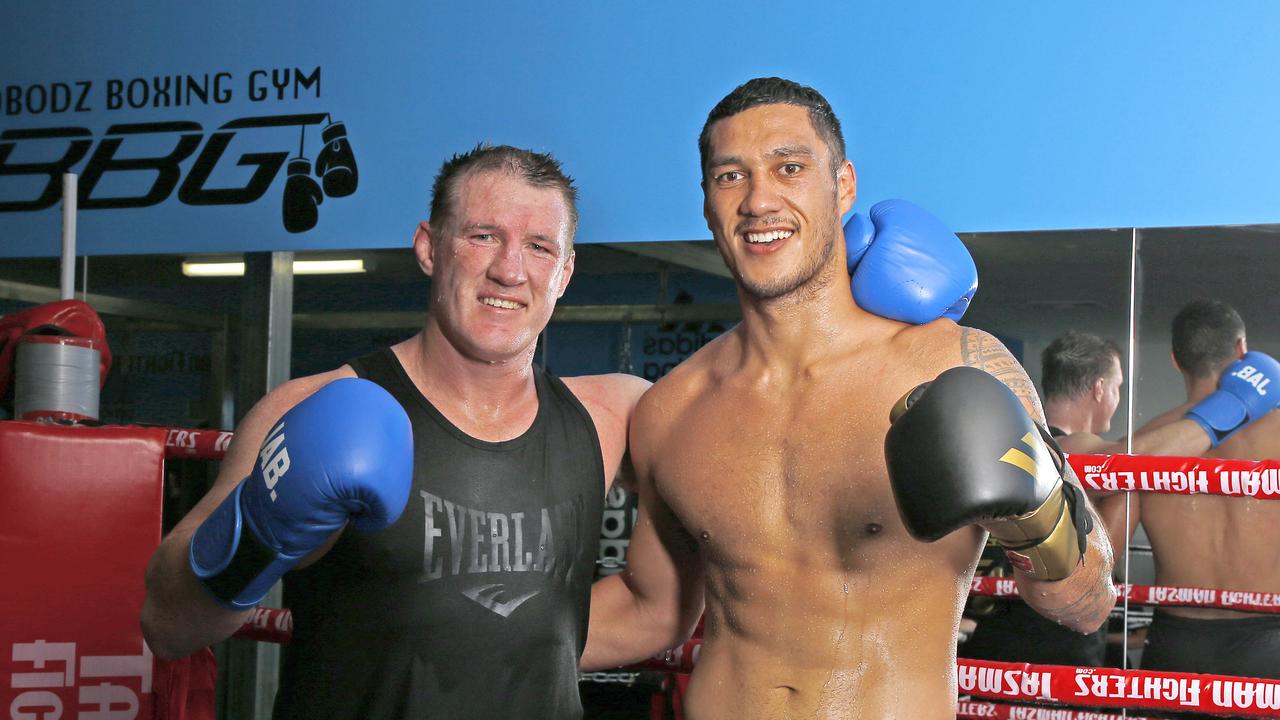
x=800, y=469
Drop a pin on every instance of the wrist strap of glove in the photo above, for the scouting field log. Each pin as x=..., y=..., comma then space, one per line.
x=232, y=564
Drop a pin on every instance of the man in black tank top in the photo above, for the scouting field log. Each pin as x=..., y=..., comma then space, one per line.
x=474, y=603
x=1081, y=376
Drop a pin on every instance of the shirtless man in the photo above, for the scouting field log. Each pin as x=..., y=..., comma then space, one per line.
x=1214, y=541
x=761, y=462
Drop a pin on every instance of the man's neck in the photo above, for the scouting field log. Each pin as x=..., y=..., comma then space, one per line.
x=1199, y=388
x=799, y=329
x=1070, y=416
x=488, y=400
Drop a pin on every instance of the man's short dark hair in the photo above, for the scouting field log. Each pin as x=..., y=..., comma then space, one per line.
x=1073, y=362
x=1204, y=336
x=778, y=91
x=537, y=169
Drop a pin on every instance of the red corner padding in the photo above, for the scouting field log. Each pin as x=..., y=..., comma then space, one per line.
x=80, y=514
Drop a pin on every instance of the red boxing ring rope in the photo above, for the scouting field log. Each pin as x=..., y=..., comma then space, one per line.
x=273, y=625
x=1000, y=711
x=1179, y=475
x=1112, y=687
x=192, y=444
x=1158, y=595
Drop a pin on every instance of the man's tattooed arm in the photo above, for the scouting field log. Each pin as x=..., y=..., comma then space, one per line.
x=983, y=351
x=1083, y=600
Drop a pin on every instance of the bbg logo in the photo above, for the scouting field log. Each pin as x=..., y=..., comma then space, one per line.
x=333, y=174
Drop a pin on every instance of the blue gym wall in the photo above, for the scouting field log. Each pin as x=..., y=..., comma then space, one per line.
x=998, y=115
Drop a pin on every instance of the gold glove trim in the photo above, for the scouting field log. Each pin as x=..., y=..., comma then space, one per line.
x=1043, y=542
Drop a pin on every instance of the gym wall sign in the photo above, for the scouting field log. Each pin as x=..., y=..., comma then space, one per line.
x=146, y=157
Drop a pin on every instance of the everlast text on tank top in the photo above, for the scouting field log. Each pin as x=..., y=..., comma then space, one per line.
x=474, y=603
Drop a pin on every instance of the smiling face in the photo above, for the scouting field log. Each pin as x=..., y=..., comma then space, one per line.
x=773, y=202
x=497, y=264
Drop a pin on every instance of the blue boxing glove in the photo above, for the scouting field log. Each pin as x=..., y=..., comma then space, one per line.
x=907, y=265
x=1243, y=395
x=344, y=453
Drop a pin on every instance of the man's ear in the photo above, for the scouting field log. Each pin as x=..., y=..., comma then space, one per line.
x=706, y=208
x=422, y=244
x=1174, y=360
x=1242, y=347
x=1099, y=391
x=847, y=187
x=567, y=273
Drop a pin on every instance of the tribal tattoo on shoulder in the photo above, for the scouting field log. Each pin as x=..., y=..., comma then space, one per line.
x=983, y=351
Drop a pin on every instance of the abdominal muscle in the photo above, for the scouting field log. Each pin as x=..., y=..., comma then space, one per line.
x=793, y=641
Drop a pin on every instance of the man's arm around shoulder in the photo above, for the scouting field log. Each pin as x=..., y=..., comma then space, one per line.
x=655, y=602
x=611, y=401
x=1172, y=436
x=179, y=616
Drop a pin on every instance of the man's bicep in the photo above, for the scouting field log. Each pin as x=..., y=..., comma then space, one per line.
x=982, y=350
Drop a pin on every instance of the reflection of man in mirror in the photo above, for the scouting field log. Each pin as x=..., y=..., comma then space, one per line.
x=1215, y=541
x=1082, y=374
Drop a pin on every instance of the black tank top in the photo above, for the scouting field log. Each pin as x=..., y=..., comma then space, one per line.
x=474, y=604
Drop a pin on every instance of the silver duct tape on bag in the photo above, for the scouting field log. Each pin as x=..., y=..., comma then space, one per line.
x=56, y=377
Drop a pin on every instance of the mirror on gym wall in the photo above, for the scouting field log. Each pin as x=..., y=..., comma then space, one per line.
x=1201, y=290
x=1066, y=292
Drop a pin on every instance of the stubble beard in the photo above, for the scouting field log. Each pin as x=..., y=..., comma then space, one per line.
x=803, y=284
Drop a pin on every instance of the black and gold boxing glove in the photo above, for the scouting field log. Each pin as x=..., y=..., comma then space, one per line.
x=961, y=450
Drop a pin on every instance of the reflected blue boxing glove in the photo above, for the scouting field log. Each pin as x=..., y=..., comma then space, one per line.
x=344, y=453
x=907, y=265
x=1243, y=395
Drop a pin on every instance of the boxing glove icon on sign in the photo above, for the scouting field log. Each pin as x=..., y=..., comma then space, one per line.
x=336, y=163
x=302, y=197
x=335, y=166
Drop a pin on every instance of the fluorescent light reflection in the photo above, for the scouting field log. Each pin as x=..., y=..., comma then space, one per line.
x=300, y=267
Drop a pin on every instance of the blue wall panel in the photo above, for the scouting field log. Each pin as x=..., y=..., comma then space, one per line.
x=998, y=115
